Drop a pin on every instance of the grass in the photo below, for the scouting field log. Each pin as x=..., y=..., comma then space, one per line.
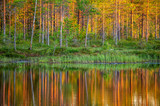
x=127, y=51
x=99, y=58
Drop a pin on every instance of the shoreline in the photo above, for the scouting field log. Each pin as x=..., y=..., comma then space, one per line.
x=31, y=61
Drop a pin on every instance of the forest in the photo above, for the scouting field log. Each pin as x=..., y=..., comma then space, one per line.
x=80, y=30
x=80, y=52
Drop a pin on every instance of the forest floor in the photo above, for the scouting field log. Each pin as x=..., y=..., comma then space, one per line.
x=127, y=51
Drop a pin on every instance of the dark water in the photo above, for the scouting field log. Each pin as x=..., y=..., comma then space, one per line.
x=33, y=85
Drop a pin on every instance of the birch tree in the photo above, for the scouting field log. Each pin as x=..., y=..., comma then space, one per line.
x=34, y=18
x=88, y=9
x=16, y=4
x=61, y=28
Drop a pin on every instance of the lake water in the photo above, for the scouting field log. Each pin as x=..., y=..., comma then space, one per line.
x=38, y=85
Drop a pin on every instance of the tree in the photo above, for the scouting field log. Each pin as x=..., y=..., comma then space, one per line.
x=4, y=17
x=116, y=25
x=48, y=25
x=16, y=4
x=15, y=24
x=61, y=11
x=24, y=24
x=88, y=9
x=103, y=25
x=156, y=22
x=69, y=18
x=33, y=24
x=67, y=23
x=10, y=13
x=147, y=23
x=132, y=18
x=42, y=23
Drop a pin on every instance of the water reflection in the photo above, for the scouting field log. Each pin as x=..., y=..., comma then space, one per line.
x=44, y=87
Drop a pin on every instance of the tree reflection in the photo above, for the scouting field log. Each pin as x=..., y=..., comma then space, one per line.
x=86, y=88
x=4, y=87
x=14, y=97
x=34, y=86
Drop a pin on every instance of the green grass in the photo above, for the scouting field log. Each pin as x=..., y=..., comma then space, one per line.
x=127, y=51
x=119, y=57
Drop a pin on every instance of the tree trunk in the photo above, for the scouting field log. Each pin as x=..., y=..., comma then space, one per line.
x=127, y=27
x=132, y=21
x=57, y=21
x=156, y=23
x=142, y=25
x=33, y=24
x=147, y=25
x=52, y=22
x=82, y=21
x=54, y=17
x=1, y=22
x=103, y=27
x=67, y=28
x=113, y=28
x=87, y=31
x=48, y=26
x=91, y=23
x=24, y=25
x=15, y=19
x=122, y=33
x=66, y=38
x=42, y=24
x=118, y=29
x=10, y=19
x=61, y=25
x=116, y=25
x=78, y=20
x=4, y=17
x=139, y=28
x=96, y=27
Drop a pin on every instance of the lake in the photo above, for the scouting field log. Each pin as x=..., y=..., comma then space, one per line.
x=28, y=84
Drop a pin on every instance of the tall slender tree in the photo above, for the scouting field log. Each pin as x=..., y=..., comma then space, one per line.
x=34, y=18
x=103, y=18
x=147, y=22
x=131, y=18
x=42, y=23
x=156, y=22
x=16, y=4
x=118, y=16
x=24, y=24
x=88, y=9
x=116, y=26
x=10, y=14
x=4, y=19
x=15, y=24
x=61, y=25
x=48, y=25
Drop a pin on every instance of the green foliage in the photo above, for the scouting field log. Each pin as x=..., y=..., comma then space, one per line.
x=107, y=46
x=18, y=3
x=87, y=7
